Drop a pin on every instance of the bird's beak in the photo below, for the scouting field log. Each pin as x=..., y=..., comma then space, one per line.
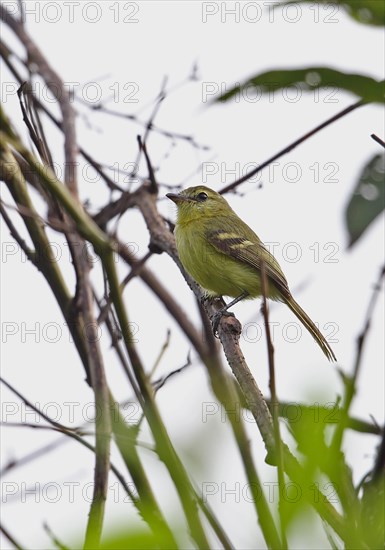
x=177, y=198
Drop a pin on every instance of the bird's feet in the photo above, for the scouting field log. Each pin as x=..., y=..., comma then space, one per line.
x=215, y=319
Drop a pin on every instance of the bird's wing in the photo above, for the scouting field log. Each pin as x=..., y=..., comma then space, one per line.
x=249, y=249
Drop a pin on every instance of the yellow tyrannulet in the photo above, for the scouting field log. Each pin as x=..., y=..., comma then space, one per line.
x=225, y=256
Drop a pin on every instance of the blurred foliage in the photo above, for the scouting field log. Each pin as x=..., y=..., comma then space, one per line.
x=325, y=469
x=312, y=78
x=367, y=12
x=131, y=539
x=367, y=200
x=373, y=512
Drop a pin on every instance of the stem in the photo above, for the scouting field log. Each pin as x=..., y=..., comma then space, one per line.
x=274, y=403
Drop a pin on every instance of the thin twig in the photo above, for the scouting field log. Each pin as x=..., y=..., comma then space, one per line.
x=16, y=235
x=40, y=427
x=53, y=537
x=68, y=432
x=150, y=122
x=112, y=329
x=10, y=537
x=161, y=353
x=175, y=136
x=135, y=271
x=215, y=524
x=157, y=384
x=379, y=140
x=290, y=147
x=42, y=451
x=33, y=124
x=151, y=174
x=161, y=381
x=26, y=212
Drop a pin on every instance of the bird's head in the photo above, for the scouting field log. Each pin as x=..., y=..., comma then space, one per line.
x=198, y=202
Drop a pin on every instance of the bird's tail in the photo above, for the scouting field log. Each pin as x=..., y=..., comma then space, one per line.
x=311, y=327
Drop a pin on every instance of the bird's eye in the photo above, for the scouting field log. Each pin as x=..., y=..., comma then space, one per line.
x=202, y=197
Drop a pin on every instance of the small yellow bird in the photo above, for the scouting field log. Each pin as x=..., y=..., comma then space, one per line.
x=224, y=255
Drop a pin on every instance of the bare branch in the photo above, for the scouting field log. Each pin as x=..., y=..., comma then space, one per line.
x=290, y=147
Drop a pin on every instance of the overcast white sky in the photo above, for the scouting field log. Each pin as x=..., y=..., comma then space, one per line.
x=119, y=53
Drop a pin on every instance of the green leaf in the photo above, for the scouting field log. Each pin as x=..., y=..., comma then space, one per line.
x=367, y=200
x=133, y=539
x=312, y=78
x=367, y=12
